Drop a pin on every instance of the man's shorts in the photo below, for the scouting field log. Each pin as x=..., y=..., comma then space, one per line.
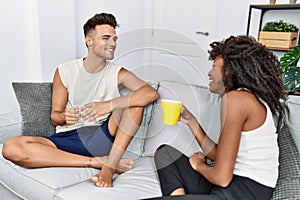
x=87, y=141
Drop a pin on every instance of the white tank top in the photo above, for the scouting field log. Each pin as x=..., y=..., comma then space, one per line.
x=258, y=153
x=84, y=87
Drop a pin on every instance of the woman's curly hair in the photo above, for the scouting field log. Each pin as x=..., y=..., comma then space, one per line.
x=248, y=64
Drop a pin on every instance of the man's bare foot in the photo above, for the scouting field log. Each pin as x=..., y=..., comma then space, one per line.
x=104, y=177
x=124, y=164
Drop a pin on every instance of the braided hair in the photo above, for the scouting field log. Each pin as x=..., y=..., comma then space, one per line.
x=248, y=64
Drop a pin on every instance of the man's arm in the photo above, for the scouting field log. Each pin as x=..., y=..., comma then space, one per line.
x=59, y=114
x=142, y=94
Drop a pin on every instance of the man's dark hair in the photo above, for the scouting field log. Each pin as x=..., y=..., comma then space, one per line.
x=99, y=19
x=249, y=64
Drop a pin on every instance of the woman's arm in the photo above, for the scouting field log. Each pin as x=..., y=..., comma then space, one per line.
x=233, y=117
x=207, y=145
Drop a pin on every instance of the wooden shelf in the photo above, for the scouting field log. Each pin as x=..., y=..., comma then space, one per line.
x=279, y=49
x=266, y=7
x=275, y=6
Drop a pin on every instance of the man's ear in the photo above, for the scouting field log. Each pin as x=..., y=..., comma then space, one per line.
x=88, y=41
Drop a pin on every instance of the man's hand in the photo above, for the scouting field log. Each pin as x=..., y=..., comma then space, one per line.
x=93, y=110
x=72, y=115
x=88, y=113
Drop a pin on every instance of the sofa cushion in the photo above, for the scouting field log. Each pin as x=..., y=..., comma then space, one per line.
x=10, y=125
x=39, y=183
x=74, y=183
x=35, y=106
x=203, y=104
x=136, y=145
x=288, y=182
x=139, y=183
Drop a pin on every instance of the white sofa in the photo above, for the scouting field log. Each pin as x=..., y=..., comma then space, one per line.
x=141, y=182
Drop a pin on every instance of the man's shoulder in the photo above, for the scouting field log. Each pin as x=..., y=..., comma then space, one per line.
x=110, y=63
x=111, y=66
x=71, y=63
x=69, y=66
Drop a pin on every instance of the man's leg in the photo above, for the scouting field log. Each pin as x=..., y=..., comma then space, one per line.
x=124, y=123
x=37, y=152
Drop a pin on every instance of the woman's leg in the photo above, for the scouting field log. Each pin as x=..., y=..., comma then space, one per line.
x=176, y=175
x=243, y=188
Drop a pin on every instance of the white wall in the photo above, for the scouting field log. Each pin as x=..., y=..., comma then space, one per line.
x=20, y=60
x=36, y=35
x=57, y=34
x=131, y=15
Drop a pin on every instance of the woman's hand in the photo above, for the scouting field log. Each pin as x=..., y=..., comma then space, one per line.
x=197, y=160
x=186, y=116
x=72, y=115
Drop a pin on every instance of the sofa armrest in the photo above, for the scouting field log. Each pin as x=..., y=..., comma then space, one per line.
x=288, y=182
x=10, y=125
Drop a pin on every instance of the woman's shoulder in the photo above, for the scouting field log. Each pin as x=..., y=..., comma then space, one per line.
x=240, y=98
x=238, y=94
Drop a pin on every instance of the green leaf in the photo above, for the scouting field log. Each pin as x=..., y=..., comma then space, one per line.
x=279, y=26
x=290, y=58
x=291, y=79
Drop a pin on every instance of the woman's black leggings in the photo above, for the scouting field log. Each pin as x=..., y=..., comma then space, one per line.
x=174, y=171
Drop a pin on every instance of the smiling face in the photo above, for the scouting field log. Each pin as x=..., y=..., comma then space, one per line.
x=215, y=76
x=102, y=41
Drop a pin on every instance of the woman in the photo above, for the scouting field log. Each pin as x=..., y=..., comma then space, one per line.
x=248, y=78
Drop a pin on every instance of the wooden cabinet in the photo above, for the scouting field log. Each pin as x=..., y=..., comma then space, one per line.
x=268, y=7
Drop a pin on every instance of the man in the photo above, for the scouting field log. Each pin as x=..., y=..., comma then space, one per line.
x=92, y=119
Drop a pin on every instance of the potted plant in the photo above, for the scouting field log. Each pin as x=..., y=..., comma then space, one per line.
x=291, y=70
x=291, y=81
x=279, y=35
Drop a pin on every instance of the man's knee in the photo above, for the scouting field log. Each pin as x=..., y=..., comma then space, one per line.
x=12, y=148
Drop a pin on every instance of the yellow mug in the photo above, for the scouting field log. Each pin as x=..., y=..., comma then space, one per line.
x=170, y=111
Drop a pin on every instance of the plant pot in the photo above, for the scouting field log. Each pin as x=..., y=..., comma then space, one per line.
x=293, y=103
x=278, y=40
